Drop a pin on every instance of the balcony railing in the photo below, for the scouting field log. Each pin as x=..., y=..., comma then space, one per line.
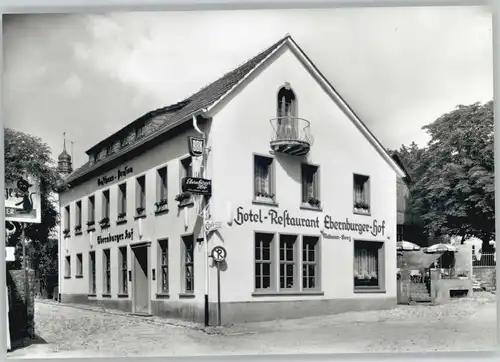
x=291, y=135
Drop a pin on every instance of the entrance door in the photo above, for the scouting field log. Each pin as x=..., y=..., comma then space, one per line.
x=140, y=280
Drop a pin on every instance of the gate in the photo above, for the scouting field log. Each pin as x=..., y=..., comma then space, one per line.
x=420, y=286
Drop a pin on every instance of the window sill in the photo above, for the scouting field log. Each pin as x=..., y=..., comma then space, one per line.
x=120, y=222
x=104, y=227
x=161, y=212
x=264, y=202
x=364, y=213
x=287, y=293
x=67, y=236
x=185, y=203
x=105, y=295
x=79, y=276
x=67, y=277
x=123, y=295
x=92, y=295
x=369, y=291
x=90, y=229
x=163, y=296
x=137, y=217
x=78, y=233
x=311, y=208
x=186, y=295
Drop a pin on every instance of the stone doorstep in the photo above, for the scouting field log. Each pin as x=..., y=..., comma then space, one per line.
x=144, y=317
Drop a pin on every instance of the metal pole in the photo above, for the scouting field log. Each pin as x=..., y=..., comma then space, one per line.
x=205, y=239
x=218, y=295
x=25, y=267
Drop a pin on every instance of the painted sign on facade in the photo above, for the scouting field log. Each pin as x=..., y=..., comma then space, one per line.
x=127, y=235
x=197, y=185
x=120, y=173
x=22, y=200
x=326, y=222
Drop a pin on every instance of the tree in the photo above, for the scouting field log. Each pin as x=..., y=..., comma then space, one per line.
x=25, y=153
x=453, y=190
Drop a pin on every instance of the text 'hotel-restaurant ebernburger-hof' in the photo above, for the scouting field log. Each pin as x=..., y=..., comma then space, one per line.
x=268, y=162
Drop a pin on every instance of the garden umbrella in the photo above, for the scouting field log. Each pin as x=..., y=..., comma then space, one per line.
x=407, y=245
x=440, y=248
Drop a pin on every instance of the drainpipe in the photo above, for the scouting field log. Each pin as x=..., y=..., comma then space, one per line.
x=205, y=239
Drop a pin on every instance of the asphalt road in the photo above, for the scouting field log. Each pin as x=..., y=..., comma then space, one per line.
x=68, y=331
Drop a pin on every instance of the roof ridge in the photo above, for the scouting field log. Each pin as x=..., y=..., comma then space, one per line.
x=242, y=64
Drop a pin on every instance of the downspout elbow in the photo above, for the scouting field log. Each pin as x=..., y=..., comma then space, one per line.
x=195, y=126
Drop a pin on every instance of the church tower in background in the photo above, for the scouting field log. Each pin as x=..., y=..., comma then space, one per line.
x=64, y=164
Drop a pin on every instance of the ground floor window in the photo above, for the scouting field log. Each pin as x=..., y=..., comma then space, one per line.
x=288, y=264
x=188, y=263
x=107, y=271
x=310, y=259
x=163, y=253
x=67, y=267
x=79, y=265
x=278, y=268
x=367, y=264
x=123, y=270
x=263, y=261
x=92, y=272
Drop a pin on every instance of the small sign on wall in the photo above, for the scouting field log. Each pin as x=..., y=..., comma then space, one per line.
x=10, y=253
x=197, y=185
x=196, y=146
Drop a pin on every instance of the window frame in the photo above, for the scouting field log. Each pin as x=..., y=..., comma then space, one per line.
x=123, y=266
x=161, y=196
x=106, y=266
x=140, y=195
x=67, y=217
x=161, y=266
x=105, y=203
x=295, y=263
x=78, y=214
x=272, y=180
x=92, y=272
x=67, y=267
x=90, y=209
x=185, y=265
x=379, y=245
x=366, y=190
x=317, y=263
x=272, y=263
x=79, y=265
x=122, y=201
x=306, y=204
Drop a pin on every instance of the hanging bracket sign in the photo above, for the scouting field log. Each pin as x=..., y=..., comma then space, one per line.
x=197, y=185
x=196, y=146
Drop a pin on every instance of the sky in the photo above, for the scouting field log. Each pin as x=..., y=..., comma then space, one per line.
x=90, y=74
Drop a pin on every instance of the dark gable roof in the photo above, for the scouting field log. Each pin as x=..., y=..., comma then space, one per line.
x=179, y=112
x=397, y=159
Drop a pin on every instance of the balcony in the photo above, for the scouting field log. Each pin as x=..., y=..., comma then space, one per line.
x=291, y=136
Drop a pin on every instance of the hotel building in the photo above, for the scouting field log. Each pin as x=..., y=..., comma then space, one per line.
x=303, y=200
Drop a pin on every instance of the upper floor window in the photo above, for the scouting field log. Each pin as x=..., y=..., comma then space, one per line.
x=67, y=217
x=310, y=185
x=91, y=211
x=263, y=178
x=78, y=216
x=140, y=201
x=122, y=201
x=287, y=105
x=187, y=167
x=361, y=194
x=105, y=205
x=109, y=149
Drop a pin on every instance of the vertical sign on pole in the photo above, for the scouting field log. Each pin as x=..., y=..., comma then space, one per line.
x=23, y=205
x=218, y=255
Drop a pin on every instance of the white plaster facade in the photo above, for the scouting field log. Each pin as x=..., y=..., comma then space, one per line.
x=238, y=127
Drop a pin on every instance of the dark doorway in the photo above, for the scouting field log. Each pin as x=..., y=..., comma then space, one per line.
x=140, y=279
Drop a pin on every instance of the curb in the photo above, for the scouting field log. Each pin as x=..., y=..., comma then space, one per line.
x=151, y=320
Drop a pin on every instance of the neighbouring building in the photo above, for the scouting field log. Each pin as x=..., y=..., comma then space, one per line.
x=303, y=200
